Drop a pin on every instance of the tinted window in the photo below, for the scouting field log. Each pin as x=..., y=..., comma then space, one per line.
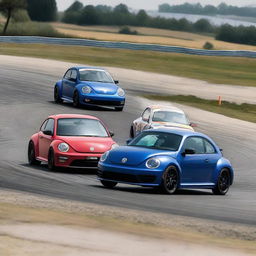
x=209, y=148
x=73, y=74
x=157, y=140
x=49, y=126
x=95, y=76
x=195, y=143
x=169, y=116
x=146, y=114
x=81, y=127
x=68, y=74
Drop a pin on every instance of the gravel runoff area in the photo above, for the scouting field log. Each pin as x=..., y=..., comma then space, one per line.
x=41, y=225
x=146, y=81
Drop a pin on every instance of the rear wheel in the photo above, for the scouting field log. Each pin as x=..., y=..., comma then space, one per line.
x=108, y=184
x=223, y=183
x=119, y=108
x=57, y=97
x=32, y=154
x=76, y=102
x=51, y=162
x=170, y=180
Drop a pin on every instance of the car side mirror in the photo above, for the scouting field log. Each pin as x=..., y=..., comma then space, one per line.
x=145, y=119
x=188, y=151
x=111, y=134
x=193, y=125
x=72, y=79
x=48, y=132
x=116, y=82
x=128, y=141
x=221, y=150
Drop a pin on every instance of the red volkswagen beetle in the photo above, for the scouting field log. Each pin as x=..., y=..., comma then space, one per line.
x=73, y=141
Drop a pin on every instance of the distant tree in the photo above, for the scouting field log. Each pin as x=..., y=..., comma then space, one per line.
x=8, y=7
x=75, y=7
x=89, y=16
x=121, y=8
x=71, y=15
x=203, y=25
x=42, y=10
x=141, y=18
x=208, y=46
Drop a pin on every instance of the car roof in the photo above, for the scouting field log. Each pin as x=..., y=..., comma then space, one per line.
x=89, y=68
x=60, y=116
x=165, y=108
x=181, y=132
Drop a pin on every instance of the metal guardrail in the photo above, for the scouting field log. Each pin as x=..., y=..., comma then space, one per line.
x=123, y=45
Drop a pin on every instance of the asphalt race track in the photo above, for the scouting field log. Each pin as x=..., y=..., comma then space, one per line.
x=26, y=99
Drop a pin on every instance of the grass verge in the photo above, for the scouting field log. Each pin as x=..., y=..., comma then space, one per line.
x=221, y=70
x=246, y=112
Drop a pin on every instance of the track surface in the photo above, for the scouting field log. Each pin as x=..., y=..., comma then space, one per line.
x=26, y=100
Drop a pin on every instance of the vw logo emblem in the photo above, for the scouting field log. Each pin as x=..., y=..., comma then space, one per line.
x=92, y=148
x=124, y=160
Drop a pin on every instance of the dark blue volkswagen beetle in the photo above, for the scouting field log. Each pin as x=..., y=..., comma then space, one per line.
x=89, y=86
x=168, y=159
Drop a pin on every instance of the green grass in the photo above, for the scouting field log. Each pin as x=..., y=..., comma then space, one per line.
x=221, y=70
x=246, y=112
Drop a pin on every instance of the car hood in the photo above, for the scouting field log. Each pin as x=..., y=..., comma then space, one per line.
x=135, y=155
x=171, y=125
x=102, y=88
x=89, y=144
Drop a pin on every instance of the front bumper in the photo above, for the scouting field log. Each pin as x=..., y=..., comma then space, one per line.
x=77, y=160
x=102, y=100
x=130, y=175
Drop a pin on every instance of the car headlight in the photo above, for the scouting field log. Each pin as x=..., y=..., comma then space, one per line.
x=63, y=147
x=114, y=146
x=104, y=156
x=86, y=89
x=120, y=92
x=153, y=163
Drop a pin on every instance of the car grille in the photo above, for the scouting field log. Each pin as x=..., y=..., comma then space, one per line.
x=127, y=177
x=85, y=163
x=106, y=103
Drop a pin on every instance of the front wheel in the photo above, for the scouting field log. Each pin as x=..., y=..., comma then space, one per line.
x=108, y=184
x=170, y=180
x=119, y=108
x=32, y=154
x=223, y=183
x=51, y=162
x=76, y=102
x=57, y=97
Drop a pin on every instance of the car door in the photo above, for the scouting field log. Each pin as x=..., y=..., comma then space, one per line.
x=72, y=82
x=144, y=122
x=65, y=83
x=198, y=167
x=45, y=140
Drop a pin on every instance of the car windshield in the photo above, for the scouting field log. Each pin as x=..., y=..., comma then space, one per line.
x=95, y=76
x=170, y=116
x=79, y=127
x=157, y=140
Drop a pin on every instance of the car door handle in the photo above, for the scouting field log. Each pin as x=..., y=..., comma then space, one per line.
x=206, y=160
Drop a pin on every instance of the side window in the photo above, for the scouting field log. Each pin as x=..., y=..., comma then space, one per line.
x=67, y=75
x=73, y=74
x=195, y=143
x=50, y=125
x=209, y=148
x=42, y=128
x=146, y=115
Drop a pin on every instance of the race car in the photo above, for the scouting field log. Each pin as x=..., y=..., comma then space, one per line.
x=168, y=159
x=160, y=116
x=70, y=141
x=89, y=86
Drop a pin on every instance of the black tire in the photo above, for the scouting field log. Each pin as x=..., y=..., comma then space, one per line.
x=32, y=154
x=223, y=183
x=170, y=180
x=51, y=164
x=119, y=108
x=76, y=102
x=57, y=97
x=108, y=184
x=132, y=132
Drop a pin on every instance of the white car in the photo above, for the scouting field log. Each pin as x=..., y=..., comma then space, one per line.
x=160, y=116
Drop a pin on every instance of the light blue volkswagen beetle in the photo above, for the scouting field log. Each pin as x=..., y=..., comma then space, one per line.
x=168, y=159
x=89, y=86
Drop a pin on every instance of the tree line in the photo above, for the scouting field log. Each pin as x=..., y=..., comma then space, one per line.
x=221, y=9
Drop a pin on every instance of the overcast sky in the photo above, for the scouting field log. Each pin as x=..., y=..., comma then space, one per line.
x=150, y=4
